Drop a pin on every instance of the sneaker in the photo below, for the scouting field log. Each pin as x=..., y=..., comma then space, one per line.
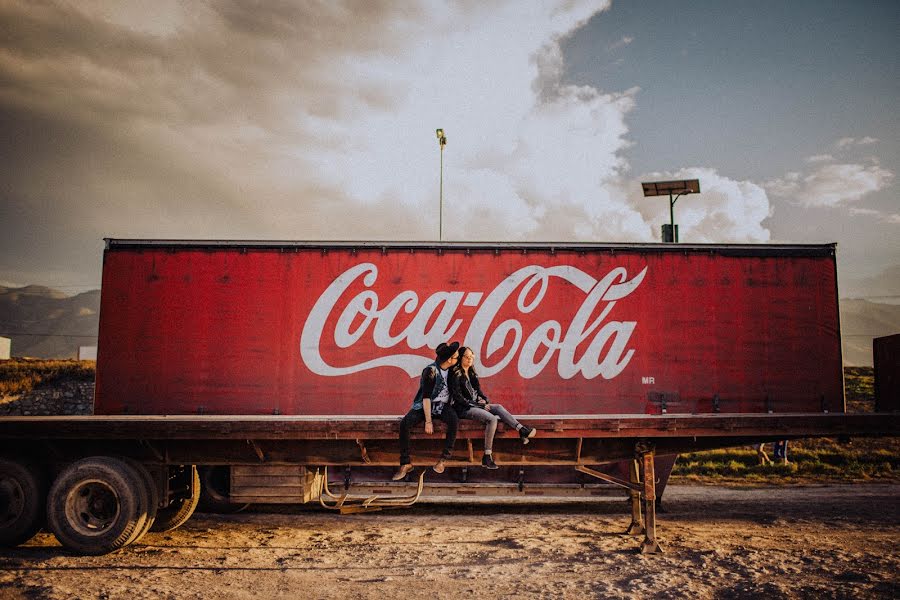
x=487, y=462
x=402, y=472
x=438, y=466
x=526, y=433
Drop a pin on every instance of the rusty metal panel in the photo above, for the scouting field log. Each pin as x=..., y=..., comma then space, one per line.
x=346, y=329
x=886, y=352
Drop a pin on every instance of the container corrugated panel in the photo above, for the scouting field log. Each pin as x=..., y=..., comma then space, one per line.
x=346, y=328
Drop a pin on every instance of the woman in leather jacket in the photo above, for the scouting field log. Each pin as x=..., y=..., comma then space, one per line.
x=471, y=403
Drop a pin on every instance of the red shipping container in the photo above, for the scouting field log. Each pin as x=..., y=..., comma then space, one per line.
x=346, y=328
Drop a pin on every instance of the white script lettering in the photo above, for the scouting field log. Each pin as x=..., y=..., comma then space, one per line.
x=607, y=353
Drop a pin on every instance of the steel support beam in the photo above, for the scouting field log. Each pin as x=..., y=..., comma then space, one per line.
x=648, y=499
x=637, y=526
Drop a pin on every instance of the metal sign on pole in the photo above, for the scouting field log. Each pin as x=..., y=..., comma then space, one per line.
x=675, y=190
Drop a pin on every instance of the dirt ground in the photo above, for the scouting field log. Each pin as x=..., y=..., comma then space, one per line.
x=786, y=542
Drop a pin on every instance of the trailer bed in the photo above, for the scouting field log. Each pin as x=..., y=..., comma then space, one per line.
x=373, y=440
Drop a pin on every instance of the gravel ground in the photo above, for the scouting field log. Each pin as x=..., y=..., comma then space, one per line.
x=787, y=542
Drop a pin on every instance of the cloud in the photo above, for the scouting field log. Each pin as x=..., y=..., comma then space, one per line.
x=831, y=185
x=296, y=120
x=621, y=42
x=830, y=181
x=285, y=120
x=725, y=211
x=849, y=141
x=869, y=212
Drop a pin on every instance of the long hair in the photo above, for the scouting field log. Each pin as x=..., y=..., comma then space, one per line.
x=458, y=369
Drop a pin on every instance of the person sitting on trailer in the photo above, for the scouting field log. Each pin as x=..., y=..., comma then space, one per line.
x=431, y=401
x=471, y=403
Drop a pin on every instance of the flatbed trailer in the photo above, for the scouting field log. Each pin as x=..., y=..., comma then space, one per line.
x=282, y=369
x=289, y=456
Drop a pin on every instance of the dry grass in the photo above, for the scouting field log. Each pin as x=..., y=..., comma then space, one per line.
x=812, y=460
x=819, y=460
x=21, y=375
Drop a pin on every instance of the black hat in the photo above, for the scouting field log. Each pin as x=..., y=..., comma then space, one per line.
x=444, y=351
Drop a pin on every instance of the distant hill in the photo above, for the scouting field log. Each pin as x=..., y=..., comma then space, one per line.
x=46, y=323
x=861, y=321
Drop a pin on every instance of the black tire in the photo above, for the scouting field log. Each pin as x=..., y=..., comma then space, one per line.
x=23, y=493
x=94, y=506
x=151, y=498
x=180, y=510
x=215, y=487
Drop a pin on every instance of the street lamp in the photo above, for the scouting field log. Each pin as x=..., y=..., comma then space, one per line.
x=442, y=141
x=679, y=188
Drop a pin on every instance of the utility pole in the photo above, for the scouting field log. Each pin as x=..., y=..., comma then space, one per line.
x=442, y=141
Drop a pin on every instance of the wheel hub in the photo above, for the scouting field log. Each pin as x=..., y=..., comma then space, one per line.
x=92, y=507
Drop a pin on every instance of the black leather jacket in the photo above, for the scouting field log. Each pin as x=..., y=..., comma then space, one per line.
x=463, y=396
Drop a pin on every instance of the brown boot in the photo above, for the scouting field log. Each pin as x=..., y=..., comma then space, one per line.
x=438, y=466
x=402, y=472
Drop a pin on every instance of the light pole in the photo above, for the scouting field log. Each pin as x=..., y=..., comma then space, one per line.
x=442, y=141
x=678, y=188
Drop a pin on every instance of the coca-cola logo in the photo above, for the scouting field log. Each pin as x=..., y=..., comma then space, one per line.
x=606, y=355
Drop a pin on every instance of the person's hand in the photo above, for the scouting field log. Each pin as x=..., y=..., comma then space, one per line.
x=487, y=406
x=429, y=428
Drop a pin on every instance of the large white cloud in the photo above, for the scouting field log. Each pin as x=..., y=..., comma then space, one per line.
x=726, y=210
x=834, y=180
x=317, y=121
x=310, y=121
x=833, y=184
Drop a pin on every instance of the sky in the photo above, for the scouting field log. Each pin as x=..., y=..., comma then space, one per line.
x=314, y=121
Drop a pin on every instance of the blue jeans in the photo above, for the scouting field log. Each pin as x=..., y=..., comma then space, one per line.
x=490, y=418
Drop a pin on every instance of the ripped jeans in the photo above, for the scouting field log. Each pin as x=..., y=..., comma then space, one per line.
x=490, y=418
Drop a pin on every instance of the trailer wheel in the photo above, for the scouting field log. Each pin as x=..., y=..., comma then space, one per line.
x=23, y=490
x=180, y=510
x=150, y=498
x=215, y=490
x=94, y=506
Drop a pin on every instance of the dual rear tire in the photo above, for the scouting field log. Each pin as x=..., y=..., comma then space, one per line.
x=23, y=488
x=100, y=504
x=97, y=505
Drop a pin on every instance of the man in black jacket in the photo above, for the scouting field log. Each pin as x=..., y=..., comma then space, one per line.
x=431, y=401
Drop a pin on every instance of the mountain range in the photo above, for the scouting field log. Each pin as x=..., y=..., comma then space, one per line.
x=46, y=323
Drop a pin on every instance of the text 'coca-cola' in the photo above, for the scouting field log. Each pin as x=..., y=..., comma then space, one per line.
x=435, y=320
